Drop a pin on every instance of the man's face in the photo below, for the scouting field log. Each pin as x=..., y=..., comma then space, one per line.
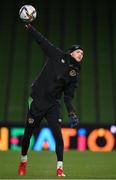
x=77, y=55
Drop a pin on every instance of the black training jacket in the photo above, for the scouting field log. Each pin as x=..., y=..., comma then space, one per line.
x=59, y=76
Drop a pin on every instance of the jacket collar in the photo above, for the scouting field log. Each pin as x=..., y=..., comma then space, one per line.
x=74, y=63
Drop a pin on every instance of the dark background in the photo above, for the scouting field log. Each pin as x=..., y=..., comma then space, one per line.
x=89, y=23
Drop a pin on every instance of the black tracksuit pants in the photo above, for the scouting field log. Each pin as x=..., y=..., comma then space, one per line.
x=34, y=117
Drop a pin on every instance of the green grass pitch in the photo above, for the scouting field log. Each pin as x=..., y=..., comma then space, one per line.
x=77, y=165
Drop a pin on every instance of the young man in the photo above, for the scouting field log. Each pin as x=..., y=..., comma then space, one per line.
x=59, y=76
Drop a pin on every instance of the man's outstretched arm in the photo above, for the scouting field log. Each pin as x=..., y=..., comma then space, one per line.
x=48, y=48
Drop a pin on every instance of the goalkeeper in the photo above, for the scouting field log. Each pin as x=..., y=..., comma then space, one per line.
x=60, y=75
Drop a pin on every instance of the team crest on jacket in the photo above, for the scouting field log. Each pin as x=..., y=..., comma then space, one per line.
x=72, y=72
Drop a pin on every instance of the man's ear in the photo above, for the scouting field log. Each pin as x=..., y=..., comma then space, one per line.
x=71, y=53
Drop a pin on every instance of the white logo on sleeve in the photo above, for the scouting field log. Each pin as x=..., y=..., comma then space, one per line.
x=59, y=120
x=62, y=60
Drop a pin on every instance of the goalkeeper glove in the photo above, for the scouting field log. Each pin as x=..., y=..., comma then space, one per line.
x=73, y=120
